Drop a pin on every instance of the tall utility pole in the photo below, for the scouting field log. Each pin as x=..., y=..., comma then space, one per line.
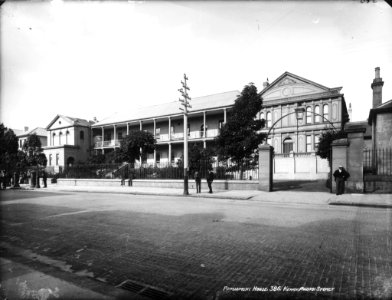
x=185, y=103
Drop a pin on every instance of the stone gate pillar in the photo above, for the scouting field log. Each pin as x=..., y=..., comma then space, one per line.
x=355, y=133
x=265, y=168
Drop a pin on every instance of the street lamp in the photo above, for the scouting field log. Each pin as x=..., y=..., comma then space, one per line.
x=185, y=103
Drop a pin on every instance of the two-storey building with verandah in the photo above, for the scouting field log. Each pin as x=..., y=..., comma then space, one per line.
x=165, y=122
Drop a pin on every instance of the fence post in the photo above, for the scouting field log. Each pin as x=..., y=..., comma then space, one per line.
x=265, y=168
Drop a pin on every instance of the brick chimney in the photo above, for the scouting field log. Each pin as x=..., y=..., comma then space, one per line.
x=26, y=128
x=377, y=88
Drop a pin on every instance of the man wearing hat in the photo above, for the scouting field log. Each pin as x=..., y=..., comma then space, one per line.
x=341, y=175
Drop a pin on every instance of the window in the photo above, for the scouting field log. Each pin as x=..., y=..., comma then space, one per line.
x=157, y=133
x=269, y=141
x=57, y=159
x=50, y=159
x=316, y=141
x=325, y=112
x=81, y=133
x=261, y=115
x=316, y=114
x=66, y=137
x=269, y=120
x=60, y=138
x=308, y=115
x=287, y=146
x=308, y=143
x=53, y=141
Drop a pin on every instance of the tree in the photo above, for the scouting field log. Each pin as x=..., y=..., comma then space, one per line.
x=325, y=142
x=325, y=146
x=8, y=149
x=239, y=137
x=200, y=159
x=136, y=144
x=34, y=158
x=34, y=152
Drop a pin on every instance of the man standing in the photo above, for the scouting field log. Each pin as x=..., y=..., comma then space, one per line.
x=210, y=179
x=341, y=175
x=198, y=182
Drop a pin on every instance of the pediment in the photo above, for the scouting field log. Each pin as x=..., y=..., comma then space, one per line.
x=290, y=85
x=60, y=122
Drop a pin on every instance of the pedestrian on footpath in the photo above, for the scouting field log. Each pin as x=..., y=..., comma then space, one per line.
x=198, y=181
x=210, y=179
x=341, y=175
x=2, y=178
x=44, y=178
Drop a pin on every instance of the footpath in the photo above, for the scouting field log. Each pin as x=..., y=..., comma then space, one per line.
x=285, y=196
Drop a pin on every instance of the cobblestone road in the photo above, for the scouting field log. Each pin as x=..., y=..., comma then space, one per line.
x=204, y=249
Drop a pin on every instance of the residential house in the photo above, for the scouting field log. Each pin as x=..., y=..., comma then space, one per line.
x=69, y=141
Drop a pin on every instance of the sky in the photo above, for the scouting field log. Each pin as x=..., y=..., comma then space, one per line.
x=89, y=59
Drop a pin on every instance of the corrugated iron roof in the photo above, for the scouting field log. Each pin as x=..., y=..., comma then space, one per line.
x=172, y=108
x=38, y=131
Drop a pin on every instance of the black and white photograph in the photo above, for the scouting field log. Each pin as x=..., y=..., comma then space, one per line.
x=195, y=149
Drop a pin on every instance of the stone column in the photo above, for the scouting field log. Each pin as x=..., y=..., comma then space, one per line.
x=224, y=115
x=155, y=134
x=204, y=124
x=114, y=137
x=339, y=158
x=103, y=138
x=170, y=154
x=169, y=128
x=265, y=168
x=127, y=128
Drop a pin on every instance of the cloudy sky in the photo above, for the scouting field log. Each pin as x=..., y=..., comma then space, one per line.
x=92, y=59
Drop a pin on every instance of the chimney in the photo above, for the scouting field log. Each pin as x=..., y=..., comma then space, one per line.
x=377, y=88
x=265, y=84
x=350, y=112
x=26, y=128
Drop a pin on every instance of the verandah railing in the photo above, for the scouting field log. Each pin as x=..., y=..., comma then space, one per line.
x=377, y=161
x=222, y=170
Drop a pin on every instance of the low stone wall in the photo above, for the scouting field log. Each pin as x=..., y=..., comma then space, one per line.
x=377, y=184
x=168, y=183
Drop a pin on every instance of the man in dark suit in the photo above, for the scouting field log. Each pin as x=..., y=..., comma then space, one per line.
x=341, y=175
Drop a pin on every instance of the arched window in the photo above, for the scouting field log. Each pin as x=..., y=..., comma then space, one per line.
x=60, y=138
x=53, y=139
x=81, y=135
x=308, y=115
x=317, y=114
x=269, y=119
x=261, y=116
x=287, y=145
x=66, y=137
x=325, y=112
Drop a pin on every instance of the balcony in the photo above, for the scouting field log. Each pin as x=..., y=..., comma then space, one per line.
x=193, y=135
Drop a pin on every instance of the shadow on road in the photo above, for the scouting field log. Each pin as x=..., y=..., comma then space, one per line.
x=301, y=185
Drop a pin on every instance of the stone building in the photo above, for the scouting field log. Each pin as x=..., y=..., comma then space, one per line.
x=325, y=108
x=39, y=131
x=295, y=136
x=69, y=141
